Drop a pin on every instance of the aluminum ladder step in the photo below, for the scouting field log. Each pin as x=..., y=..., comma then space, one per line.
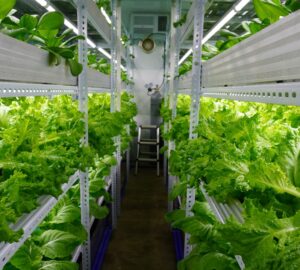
x=148, y=127
x=144, y=142
x=148, y=143
x=148, y=153
x=148, y=159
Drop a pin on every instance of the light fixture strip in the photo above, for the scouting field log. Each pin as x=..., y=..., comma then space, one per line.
x=107, y=18
x=225, y=19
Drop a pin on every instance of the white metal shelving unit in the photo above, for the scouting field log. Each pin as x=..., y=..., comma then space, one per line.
x=194, y=22
x=263, y=68
x=24, y=71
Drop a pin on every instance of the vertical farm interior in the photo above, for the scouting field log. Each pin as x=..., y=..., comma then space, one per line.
x=213, y=182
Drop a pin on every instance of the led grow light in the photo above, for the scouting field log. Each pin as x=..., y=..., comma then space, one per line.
x=43, y=3
x=107, y=18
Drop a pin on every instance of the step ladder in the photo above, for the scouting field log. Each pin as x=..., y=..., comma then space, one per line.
x=146, y=155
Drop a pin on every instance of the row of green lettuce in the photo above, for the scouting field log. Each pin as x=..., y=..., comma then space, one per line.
x=46, y=32
x=40, y=150
x=248, y=152
x=267, y=12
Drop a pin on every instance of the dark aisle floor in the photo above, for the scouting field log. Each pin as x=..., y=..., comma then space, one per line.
x=142, y=240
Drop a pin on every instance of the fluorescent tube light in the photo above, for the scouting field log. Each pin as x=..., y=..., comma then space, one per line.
x=228, y=16
x=43, y=3
x=50, y=8
x=91, y=43
x=68, y=24
x=241, y=5
x=188, y=53
x=105, y=15
x=219, y=25
x=104, y=52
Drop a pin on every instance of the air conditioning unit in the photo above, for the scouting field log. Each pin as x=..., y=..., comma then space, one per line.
x=146, y=24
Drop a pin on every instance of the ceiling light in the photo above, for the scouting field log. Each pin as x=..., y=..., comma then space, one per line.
x=91, y=43
x=68, y=24
x=241, y=5
x=104, y=52
x=50, y=8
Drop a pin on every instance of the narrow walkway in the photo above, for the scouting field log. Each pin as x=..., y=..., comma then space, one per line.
x=142, y=240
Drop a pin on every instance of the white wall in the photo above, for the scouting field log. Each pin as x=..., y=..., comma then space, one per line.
x=147, y=68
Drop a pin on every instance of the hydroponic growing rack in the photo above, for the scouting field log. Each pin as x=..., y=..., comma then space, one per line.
x=263, y=68
x=24, y=71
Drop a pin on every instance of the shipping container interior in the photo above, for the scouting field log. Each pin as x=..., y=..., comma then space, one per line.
x=149, y=134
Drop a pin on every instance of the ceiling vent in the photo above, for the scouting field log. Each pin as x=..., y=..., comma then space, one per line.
x=147, y=24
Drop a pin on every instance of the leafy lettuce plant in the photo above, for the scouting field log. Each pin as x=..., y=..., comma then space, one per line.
x=5, y=8
x=250, y=152
x=210, y=250
x=264, y=240
x=44, y=32
x=100, y=64
x=106, y=5
x=55, y=240
x=104, y=125
x=40, y=150
x=180, y=125
x=52, y=244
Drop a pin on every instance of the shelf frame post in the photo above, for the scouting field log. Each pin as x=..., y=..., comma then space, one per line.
x=116, y=102
x=83, y=107
x=165, y=96
x=173, y=83
x=129, y=67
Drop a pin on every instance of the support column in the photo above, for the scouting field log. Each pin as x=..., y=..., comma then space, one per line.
x=129, y=61
x=83, y=107
x=165, y=95
x=173, y=85
x=116, y=102
x=195, y=98
x=174, y=55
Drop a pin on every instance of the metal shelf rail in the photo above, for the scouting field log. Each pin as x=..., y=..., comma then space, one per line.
x=38, y=78
x=263, y=68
